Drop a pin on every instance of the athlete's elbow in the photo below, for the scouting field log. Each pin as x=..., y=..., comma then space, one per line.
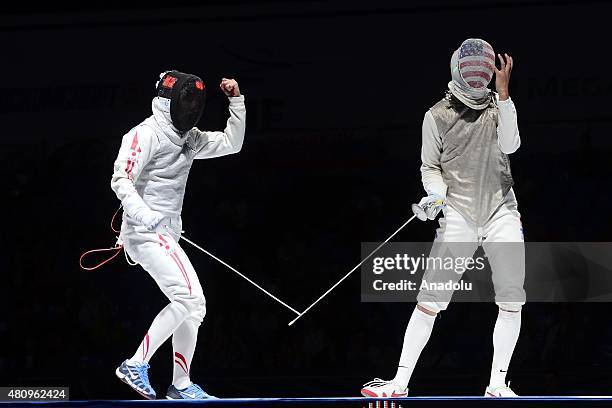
x=238, y=148
x=119, y=184
x=509, y=148
x=237, y=145
x=513, y=149
x=114, y=185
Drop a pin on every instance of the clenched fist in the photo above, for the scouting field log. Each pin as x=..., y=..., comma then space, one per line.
x=230, y=87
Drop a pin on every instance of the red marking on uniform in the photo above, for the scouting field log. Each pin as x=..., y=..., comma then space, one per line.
x=129, y=168
x=169, y=81
x=135, y=141
x=180, y=365
x=182, y=268
x=182, y=359
x=178, y=262
x=199, y=85
x=145, y=346
x=130, y=163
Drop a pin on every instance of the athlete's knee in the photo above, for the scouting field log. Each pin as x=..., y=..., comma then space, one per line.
x=199, y=310
x=431, y=308
x=192, y=302
x=510, y=298
x=434, y=301
x=510, y=306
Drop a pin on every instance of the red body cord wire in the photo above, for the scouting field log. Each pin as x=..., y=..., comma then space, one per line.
x=117, y=249
x=113, y=220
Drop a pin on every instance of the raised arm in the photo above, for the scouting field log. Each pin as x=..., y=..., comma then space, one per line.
x=215, y=144
x=508, y=138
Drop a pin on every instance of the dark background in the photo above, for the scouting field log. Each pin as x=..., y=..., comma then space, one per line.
x=335, y=99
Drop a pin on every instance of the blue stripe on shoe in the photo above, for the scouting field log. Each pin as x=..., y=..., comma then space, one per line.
x=137, y=376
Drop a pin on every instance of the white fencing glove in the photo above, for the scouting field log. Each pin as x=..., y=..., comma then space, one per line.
x=137, y=209
x=163, y=226
x=429, y=207
x=151, y=220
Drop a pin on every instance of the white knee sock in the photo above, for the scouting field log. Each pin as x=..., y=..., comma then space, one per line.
x=417, y=334
x=505, y=335
x=163, y=326
x=184, y=342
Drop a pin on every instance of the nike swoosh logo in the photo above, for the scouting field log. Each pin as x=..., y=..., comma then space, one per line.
x=190, y=396
x=401, y=394
x=132, y=376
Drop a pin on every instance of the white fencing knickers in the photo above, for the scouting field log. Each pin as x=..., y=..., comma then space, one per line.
x=503, y=243
x=163, y=258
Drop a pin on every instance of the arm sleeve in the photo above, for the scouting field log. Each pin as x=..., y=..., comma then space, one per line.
x=431, y=150
x=137, y=148
x=215, y=144
x=508, y=138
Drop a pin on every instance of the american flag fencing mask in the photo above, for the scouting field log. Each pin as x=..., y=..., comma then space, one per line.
x=472, y=71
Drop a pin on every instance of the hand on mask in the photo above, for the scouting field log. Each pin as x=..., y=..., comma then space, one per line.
x=230, y=87
x=429, y=207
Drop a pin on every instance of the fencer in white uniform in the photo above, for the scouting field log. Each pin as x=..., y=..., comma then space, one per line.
x=149, y=178
x=467, y=137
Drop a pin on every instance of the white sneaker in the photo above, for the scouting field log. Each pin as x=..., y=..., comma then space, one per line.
x=502, y=391
x=378, y=388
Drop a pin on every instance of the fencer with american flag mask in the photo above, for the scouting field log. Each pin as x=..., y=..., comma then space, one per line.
x=467, y=137
x=150, y=175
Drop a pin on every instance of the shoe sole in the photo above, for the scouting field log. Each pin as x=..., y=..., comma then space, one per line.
x=368, y=393
x=126, y=380
x=489, y=395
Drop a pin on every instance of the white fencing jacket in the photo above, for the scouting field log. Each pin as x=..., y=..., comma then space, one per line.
x=465, y=156
x=151, y=169
x=508, y=139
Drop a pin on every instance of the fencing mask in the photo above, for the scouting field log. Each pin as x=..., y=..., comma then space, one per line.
x=471, y=72
x=187, y=95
